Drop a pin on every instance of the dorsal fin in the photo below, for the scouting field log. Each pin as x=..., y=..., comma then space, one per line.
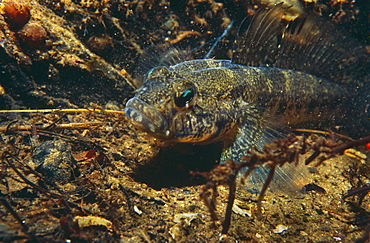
x=257, y=37
x=306, y=44
x=159, y=55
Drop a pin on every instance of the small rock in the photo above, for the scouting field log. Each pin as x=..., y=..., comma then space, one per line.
x=183, y=222
x=243, y=212
x=185, y=218
x=55, y=161
x=137, y=210
x=280, y=228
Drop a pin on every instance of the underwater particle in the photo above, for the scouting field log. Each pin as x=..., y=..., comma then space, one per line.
x=2, y=90
x=32, y=35
x=123, y=72
x=54, y=160
x=367, y=146
x=17, y=14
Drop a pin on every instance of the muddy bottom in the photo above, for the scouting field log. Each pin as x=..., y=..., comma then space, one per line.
x=109, y=182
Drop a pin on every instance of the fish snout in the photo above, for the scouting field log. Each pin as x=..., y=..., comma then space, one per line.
x=147, y=118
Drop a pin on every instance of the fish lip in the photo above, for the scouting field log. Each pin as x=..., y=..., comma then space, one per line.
x=146, y=117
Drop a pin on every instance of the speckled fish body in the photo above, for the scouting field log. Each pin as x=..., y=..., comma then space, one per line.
x=235, y=101
x=226, y=97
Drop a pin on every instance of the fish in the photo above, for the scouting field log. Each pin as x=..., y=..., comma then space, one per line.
x=281, y=74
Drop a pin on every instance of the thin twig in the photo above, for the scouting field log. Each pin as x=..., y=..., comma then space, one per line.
x=57, y=127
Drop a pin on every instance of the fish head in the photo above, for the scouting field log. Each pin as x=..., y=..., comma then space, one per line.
x=174, y=109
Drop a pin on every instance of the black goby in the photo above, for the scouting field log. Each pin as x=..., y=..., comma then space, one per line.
x=293, y=72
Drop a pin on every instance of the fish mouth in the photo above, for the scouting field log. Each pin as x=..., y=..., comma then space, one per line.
x=147, y=118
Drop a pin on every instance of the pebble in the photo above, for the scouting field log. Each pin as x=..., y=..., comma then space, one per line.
x=55, y=161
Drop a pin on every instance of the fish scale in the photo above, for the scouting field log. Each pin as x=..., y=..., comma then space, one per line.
x=244, y=101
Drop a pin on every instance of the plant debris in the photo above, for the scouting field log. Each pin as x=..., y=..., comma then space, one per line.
x=282, y=151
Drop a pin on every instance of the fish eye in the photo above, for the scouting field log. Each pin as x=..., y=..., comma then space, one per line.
x=185, y=98
x=185, y=93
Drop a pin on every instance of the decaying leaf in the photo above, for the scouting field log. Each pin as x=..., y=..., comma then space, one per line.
x=86, y=221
